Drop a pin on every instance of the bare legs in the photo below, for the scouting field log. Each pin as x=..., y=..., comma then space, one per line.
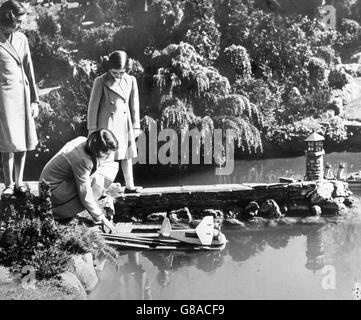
x=19, y=165
x=127, y=168
x=13, y=163
x=8, y=167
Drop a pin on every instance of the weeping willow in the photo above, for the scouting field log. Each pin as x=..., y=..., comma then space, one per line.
x=205, y=125
x=146, y=123
x=179, y=66
x=177, y=116
x=247, y=136
x=187, y=86
x=237, y=106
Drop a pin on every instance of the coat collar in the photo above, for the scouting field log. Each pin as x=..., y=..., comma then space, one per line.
x=114, y=86
x=8, y=46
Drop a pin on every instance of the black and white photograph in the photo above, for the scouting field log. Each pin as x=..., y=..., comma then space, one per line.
x=194, y=151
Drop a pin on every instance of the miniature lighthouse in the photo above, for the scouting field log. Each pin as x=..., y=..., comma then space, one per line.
x=314, y=157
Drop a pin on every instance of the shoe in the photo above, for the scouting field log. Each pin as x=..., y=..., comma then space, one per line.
x=133, y=190
x=8, y=192
x=20, y=190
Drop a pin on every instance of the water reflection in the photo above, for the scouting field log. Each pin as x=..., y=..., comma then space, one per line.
x=168, y=263
x=134, y=277
x=314, y=250
x=166, y=274
x=282, y=262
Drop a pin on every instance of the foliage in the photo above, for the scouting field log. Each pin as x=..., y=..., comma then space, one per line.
x=29, y=236
x=95, y=42
x=349, y=37
x=47, y=25
x=65, y=117
x=235, y=63
x=334, y=130
x=290, y=136
x=52, y=62
x=197, y=60
x=266, y=95
x=200, y=29
x=317, y=71
x=239, y=106
x=79, y=239
x=337, y=78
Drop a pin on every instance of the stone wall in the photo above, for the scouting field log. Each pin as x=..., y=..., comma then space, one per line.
x=294, y=197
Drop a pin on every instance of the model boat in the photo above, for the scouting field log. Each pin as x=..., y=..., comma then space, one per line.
x=204, y=237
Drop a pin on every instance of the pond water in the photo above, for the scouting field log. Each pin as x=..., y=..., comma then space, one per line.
x=288, y=262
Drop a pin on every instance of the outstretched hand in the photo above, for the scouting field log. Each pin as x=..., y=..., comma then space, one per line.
x=108, y=225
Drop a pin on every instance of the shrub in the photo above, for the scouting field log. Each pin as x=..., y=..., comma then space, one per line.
x=95, y=42
x=317, y=71
x=266, y=95
x=334, y=130
x=337, y=78
x=52, y=62
x=66, y=117
x=29, y=233
x=48, y=25
x=235, y=63
x=29, y=236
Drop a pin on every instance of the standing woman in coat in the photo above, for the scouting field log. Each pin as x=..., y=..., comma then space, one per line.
x=114, y=105
x=18, y=97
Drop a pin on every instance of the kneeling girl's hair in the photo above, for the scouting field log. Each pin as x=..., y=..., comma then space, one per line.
x=101, y=141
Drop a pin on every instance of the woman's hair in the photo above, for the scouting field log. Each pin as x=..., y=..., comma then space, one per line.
x=10, y=11
x=118, y=60
x=102, y=140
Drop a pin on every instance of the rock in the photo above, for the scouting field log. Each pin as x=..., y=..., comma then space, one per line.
x=251, y=210
x=71, y=282
x=157, y=217
x=183, y=215
x=334, y=206
x=284, y=209
x=99, y=264
x=5, y=276
x=271, y=208
x=349, y=202
x=217, y=214
x=232, y=214
x=84, y=269
x=316, y=210
x=297, y=206
x=340, y=189
x=322, y=192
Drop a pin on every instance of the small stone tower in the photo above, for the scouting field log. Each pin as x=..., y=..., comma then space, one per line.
x=314, y=157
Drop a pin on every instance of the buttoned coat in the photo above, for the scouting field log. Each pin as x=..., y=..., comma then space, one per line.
x=115, y=106
x=74, y=184
x=17, y=91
